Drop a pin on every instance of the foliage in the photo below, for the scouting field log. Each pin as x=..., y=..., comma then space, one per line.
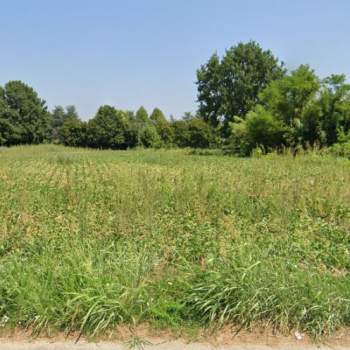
x=181, y=133
x=145, y=131
x=9, y=134
x=163, y=127
x=230, y=86
x=209, y=82
x=24, y=117
x=193, y=132
x=149, y=136
x=238, y=143
x=341, y=149
x=296, y=111
x=73, y=132
x=58, y=116
x=289, y=97
x=202, y=135
x=142, y=115
x=264, y=129
x=334, y=107
x=259, y=129
x=108, y=129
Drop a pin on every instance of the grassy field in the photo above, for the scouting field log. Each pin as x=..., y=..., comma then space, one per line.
x=94, y=239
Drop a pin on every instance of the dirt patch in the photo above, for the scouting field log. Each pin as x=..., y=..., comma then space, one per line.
x=223, y=338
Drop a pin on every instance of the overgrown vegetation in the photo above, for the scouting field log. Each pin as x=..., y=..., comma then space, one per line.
x=92, y=239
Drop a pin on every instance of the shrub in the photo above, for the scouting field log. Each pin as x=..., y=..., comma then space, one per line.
x=340, y=149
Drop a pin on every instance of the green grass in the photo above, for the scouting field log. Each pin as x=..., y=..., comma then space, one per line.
x=93, y=239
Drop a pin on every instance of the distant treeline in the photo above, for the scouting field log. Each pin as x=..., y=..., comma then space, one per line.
x=25, y=119
x=247, y=100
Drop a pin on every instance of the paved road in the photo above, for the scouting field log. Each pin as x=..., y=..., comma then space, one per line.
x=175, y=345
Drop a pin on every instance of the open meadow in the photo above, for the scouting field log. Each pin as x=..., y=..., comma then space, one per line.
x=93, y=239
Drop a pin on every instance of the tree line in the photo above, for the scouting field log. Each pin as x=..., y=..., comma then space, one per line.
x=25, y=119
x=247, y=99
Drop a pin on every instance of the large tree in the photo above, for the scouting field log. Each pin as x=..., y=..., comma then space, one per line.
x=10, y=133
x=26, y=113
x=230, y=86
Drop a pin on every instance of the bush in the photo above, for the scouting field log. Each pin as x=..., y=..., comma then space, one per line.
x=264, y=129
x=194, y=133
x=340, y=149
x=237, y=143
x=259, y=129
x=149, y=136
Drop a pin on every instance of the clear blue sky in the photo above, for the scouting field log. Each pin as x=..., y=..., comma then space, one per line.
x=132, y=53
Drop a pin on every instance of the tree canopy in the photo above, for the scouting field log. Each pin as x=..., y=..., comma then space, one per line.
x=108, y=128
x=230, y=86
x=24, y=118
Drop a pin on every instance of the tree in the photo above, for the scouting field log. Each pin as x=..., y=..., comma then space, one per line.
x=292, y=101
x=259, y=129
x=201, y=134
x=5, y=125
x=193, y=132
x=162, y=126
x=58, y=117
x=288, y=115
x=142, y=115
x=57, y=120
x=149, y=137
x=3, y=104
x=73, y=132
x=210, y=91
x=334, y=107
x=289, y=97
x=237, y=142
x=71, y=112
x=181, y=133
x=27, y=113
x=263, y=129
x=230, y=87
x=108, y=129
x=145, y=130
x=10, y=134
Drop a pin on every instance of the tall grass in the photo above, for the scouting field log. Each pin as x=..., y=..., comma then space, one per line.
x=93, y=239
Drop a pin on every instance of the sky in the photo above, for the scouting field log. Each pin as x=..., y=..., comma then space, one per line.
x=146, y=52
